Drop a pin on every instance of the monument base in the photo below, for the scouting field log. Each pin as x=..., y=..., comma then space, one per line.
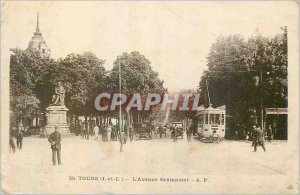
x=57, y=117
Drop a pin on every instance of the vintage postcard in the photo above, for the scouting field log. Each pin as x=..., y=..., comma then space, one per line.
x=149, y=97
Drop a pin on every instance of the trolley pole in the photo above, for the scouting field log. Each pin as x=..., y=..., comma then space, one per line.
x=208, y=93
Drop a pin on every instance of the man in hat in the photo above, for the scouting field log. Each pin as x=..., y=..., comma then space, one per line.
x=259, y=139
x=19, y=136
x=55, y=140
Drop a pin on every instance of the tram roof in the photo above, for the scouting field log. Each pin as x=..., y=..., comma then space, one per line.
x=211, y=109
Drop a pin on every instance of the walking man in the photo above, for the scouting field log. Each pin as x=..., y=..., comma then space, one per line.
x=84, y=131
x=12, y=146
x=122, y=140
x=55, y=140
x=259, y=139
x=160, y=131
x=131, y=133
x=19, y=136
x=189, y=133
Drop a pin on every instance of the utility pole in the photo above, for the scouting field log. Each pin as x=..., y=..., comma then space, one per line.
x=261, y=100
x=120, y=111
x=260, y=92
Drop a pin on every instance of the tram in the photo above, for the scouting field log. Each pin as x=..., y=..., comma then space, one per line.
x=212, y=124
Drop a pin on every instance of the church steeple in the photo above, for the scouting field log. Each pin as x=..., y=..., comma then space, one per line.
x=37, y=23
x=37, y=31
x=37, y=41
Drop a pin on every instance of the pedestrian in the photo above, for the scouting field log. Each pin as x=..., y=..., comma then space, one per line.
x=96, y=131
x=189, y=133
x=253, y=135
x=82, y=129
x=270, y=133
x=131, y=132
x=117, y=133
x=175, y=134
x=165, y=130
x=114, y=133
x=85, y=131
x=104, y=134
x=160, y=131
x=172, y=129
x=122, y=140
x=108, y=133
x=19, y=137
x=55, y=140
x=259, y=139
x=91, y=128
x=12, y=146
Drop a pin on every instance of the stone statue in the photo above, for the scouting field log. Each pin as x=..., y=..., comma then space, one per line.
x=59, y=97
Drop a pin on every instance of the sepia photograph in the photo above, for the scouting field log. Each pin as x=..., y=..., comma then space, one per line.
x=149, y=97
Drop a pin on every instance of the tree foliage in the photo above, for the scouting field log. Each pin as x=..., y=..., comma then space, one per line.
x=26, y=72
x=233, y=76
x=83, y=75
x=137, y=76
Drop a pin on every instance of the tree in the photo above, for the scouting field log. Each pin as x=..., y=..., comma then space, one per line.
x=137, y=76
x=83, y=76
x=27, y=69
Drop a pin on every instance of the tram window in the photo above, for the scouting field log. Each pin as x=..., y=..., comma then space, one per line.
x=206, y=118
x=222, y=119
x=217, y=119
x=212, y=118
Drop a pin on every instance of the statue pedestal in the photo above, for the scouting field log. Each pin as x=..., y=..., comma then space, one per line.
x=57, y=117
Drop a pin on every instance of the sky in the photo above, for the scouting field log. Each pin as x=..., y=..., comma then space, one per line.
x=175, y=36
